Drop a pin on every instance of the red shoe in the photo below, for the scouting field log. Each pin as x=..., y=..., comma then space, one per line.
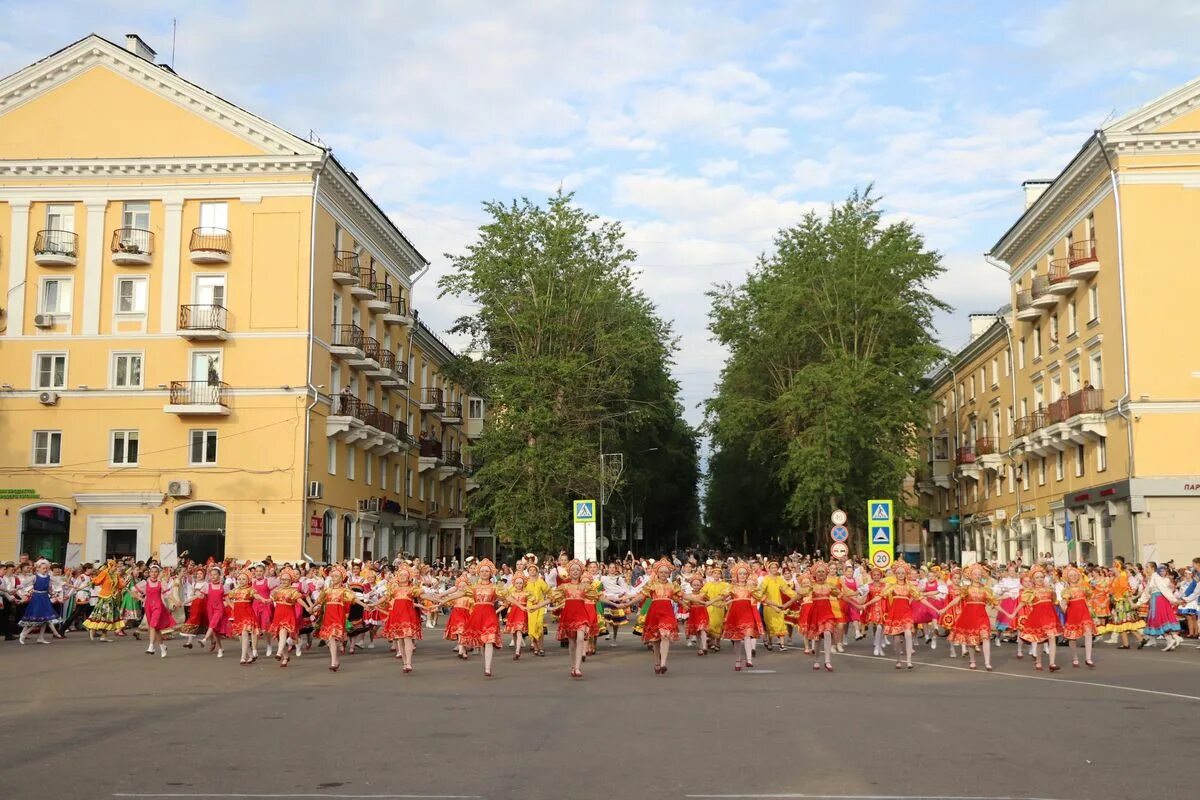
x=334, y=669
x=1055, y=668
x=737, y=666
x=487, y=673
x=1091, y=664
x=408, y=669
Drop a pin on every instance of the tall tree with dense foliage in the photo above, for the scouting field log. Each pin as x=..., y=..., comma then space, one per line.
x=565, y=345
x=829, y=341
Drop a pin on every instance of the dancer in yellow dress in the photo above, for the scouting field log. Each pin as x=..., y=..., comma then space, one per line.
x=715, y=587
x=536, y=591
x=775, y=592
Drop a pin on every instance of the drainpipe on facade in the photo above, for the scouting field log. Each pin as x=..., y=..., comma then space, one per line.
x=1012, y=371
x=311, y=389
x=1123, y=400
x=953, y=477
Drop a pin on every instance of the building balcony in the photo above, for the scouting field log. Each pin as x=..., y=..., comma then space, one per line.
x=451, y=465
x=399, y=376
x=203, y=323
x=429, y=454
x=400, y=431
x=345, y=267
x=386, y=374
x=472, y=471
x=371, y=349
x=432, y=401
x=346, y=421
x=382, y=429
x=198, y=398
x=397, y=313
x=453, y=414
x=382, y=301
x=1042, y=298
x=210, y=246
x=1026, y=310
x=1059, y=276
x=988, y=453
x=56, y=249
x=365, y=288
x=968, y=463
x=132, y=247
x=1082, y=259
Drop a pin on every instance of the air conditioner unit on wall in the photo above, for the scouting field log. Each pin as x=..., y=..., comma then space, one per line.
x=179, y=488
x=315, y=490
x=48, y=398
x=43, y=320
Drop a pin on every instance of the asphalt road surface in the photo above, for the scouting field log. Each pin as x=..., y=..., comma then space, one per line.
x=100, y=721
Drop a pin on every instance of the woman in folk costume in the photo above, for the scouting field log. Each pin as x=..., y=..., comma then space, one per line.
x=775, y=592
x=972, y=627
x=1039, y=623
x=106, y=615
x=1125, y=618
x=573, y=595
x=803, y=601
x=1008, y=591
x=483, y=625
x=1099, y=601
x=821, y=621
x=1076, y=605
x=742, y=625
x=194, y=588
x=874, y=610
x=262, y=586
x=1161, y=601
x=901, y=597
x=660, y=627
x=697, y=614
x=216, y=620
x=516, y=621
x=851, y=591
x=536, y=590
x=715, y=588
x=946, y=619
x=154, y=593
x=596, y=613
x=613, y=588
x=39, y=610
x=401, y=620
x=334, y=603
x=460, y=613
x=243, y=620
x=287, y=607
x=925, y=616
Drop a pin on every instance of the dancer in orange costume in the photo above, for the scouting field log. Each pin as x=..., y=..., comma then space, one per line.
x=460, y=613
x=573, y=595
x=972, y=626
x=1040, y=621
x=402, y=622
x=1077, y=606
x=334, y=603
x=742, y=625
x=483, y=625
x=660, y=627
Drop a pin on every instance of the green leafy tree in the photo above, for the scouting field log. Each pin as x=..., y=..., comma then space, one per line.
x=829, y=340
x=565, y=343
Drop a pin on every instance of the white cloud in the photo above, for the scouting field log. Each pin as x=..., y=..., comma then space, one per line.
x=765, y=141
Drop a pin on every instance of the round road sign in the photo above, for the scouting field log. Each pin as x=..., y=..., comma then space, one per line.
x=839, y=550
x=839, y=533
x=882, y=559
x=838, y=517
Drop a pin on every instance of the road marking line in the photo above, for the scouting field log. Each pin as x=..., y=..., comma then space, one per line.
x=291, y=796
x=1034, y=678
x=861, y=797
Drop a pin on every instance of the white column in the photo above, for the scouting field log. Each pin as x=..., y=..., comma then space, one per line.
x=18, y=256
x=93, y=267
x=172, y=247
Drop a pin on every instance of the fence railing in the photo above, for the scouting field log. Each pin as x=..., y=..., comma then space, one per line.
x=56, y=243
x=133, y=241
x=199, y=393
x=346, y=261
x=1082, y=252
x=213, y=240
x=347, y=336
x=203, y=318
x=434, y=397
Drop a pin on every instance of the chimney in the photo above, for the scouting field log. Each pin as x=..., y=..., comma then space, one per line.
x=135, y=45
x=1035, y=189
x=980, y=323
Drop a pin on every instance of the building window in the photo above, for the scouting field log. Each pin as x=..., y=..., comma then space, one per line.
x=1011, y=420
x=1093, y=304
x=408, y=483
x=351, y=459
x=47, y=448
x=1021, y=354
x=203, y=448
x=1058, y=466
x=127, y=370
x=131, y=295
x=136, y=214
x=995, y=371
x=1096, y=370
x=368, y=471
x=1012, y=481
x=475, y=409
x=1042, y=471
x=56, y=296
x=331, y=467
x=1037, y=342
x=214, y=218
x=124, y=448
x=1072, y=319
x=1024, y=477
x=396, y=480
x=1101, y=455
x=50, y=371
x=1054, y=331
x=1080, y=455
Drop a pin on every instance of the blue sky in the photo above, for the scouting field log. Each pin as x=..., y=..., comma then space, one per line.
x=704, y=127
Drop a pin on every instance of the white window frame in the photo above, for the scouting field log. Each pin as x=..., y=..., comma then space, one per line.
x=134, y=280
x=1094, y=360
x=472, y=404
x=50, y=436
x=408, y=482
x=223, y=205
x=1093, y=304
x=368, y=468
x=35, y=380
x=1080, y=460
x=68, y=283
x=115, y=356
x=351, y=458
x=1101, y=455
x=1060, y=469
x=125, y=436
x=204, y=433
x=127, y=213
x=331, y=466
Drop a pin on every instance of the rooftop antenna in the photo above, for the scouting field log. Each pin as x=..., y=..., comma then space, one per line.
x=174, y=26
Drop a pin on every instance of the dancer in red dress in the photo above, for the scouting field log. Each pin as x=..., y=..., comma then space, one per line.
x=1077, y=606
x=660, y=627
x=573, y=595
x=334, y=603
x=1040, y=621
x=214, y=611
x=285, y=617
x=950, y=609
x=874, y=609
x=821, y=621
x=697, y=618
x=972, y=626
x=742, y=623
x=483, y=626
x=153, y=593
x=193, y=594
x=516, y=622
x=402, y=622
x=262, y=586
x=460, y=613
x=900, y=597
x=245, y=623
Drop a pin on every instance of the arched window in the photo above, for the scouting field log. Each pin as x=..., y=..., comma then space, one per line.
x=200, y=530
x=327, y=537
x=44, y=533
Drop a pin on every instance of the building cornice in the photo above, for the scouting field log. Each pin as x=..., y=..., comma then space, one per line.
x=143, y=499
x=191, y=166
x=431, y=344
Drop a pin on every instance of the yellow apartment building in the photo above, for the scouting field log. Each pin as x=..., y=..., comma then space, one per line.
x=208, y=340
x=1070, y=425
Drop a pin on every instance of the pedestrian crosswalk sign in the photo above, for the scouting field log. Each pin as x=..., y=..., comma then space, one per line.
x=585, y=510
x=881, y=511
x=881, y=534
